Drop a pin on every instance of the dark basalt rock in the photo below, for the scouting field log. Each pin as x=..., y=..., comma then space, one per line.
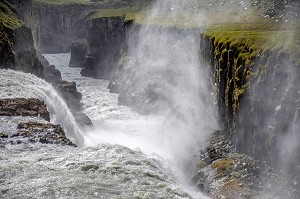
x=51, y=74
x=69, y=92
x=106, y=38
x=3, y=135
x=16, y=43
x=72, y=97
x=225, y=173
x=24, y=107
x=46, y=133
x=82, y=119
x=78, y=52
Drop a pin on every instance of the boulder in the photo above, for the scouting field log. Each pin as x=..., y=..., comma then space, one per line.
x=24, y=107
x=82, y=119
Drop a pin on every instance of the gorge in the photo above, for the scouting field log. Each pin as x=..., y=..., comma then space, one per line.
x=156, y=99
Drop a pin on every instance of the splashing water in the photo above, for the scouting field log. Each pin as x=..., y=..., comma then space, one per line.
x=107, y=170
x=15, y=84
x=176, y=141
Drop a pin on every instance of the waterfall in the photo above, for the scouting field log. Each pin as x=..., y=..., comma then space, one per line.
x=15, y=84
x=166, y=59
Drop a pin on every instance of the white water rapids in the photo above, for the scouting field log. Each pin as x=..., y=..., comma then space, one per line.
x=103, y=167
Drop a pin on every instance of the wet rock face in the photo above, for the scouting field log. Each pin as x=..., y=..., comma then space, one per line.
x=51, y=74
x=69, y=92
x=24, y=107
x=45, y=133
x=26, y=57
x=78, y=52
x=56, y=26
x=16, y=43
x=106, y=37
x=258, y=100
x=72, y=97
x=225, y=173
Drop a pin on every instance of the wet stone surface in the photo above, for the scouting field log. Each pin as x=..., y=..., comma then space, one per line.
x=24, y=107
x=225, y=173
x=45, y=133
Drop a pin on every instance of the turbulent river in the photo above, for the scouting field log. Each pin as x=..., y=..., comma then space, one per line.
x=124, y=155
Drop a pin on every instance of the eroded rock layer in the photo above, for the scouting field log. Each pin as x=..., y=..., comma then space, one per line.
x=23, y=107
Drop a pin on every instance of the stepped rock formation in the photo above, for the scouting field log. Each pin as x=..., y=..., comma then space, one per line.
x=24, y=107
x=32, y=132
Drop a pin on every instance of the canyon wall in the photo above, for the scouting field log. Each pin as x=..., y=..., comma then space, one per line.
x=18, y=53
x=105, y=39
x=17, y=46
x=55, y=27
x=258, y=99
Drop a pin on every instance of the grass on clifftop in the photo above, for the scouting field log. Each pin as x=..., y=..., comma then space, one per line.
x=63, y=2
x=265, y=35
x=129, y=3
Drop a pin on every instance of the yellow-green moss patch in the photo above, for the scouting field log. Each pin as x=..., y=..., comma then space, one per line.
x=7, y=18
x=253, y=38
x=223, y=166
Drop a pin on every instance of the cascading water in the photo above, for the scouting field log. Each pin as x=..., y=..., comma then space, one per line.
x=175, y=142
x=15, y=84
x=35, y=170
x=107, y=170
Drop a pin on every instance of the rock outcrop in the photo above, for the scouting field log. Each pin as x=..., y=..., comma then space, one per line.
x=28, y=132
x=106, y=38
x=31, y=132
x=69, y=92
x=16, y=46
x=78, y=52
x=55, y=26
x=225, y=173
x=72, y=97
x=24, y=107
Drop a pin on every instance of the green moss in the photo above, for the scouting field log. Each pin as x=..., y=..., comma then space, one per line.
x=7, y=18
x=8, y=23
x=62, y=2
x=223, y=166
x=253, y=38
x=104, y=3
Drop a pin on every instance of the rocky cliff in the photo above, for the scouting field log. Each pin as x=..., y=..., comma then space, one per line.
x=106, y=38
x=257, y=88
x=18, y=53
x=16, y=43
x=55, y=27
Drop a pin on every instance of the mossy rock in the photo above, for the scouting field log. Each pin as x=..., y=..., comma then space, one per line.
x=224, y=166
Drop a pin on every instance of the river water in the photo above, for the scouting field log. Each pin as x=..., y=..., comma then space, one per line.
x=125, y=155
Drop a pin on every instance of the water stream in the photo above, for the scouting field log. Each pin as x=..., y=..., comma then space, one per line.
x=125, y=155
x=114, y=124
